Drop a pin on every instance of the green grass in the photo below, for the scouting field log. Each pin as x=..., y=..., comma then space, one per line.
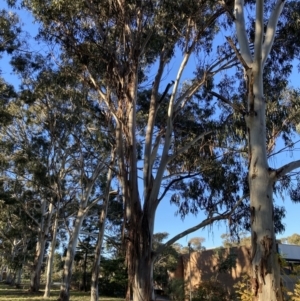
x=11, y=293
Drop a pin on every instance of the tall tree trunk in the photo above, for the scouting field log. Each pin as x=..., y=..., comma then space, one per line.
x=265, y=265
x=151, y=280
x=1, y=273
x=19, y=276
x=67, y=271
x=142, y=286
x=128, y=291
x=102, y=219
x=84, y=271
x=40, y=246
x=51, y=257
x=96, y=264
x=37, y=264
x=141, y=259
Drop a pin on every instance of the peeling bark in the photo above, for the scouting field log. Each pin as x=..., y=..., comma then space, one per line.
x=265, y=267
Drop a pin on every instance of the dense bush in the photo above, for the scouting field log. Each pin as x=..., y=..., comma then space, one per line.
x=211, y=290
x=176, y=290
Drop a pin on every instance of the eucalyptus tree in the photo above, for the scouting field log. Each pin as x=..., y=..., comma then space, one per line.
x=24, y=175
x=10, y=32
x=115, y=43
x=102, y=222
x=294, y=239
x=86, y=153
x=52, y=152
x=268, y=115
x=17, y=241
x=9, y=42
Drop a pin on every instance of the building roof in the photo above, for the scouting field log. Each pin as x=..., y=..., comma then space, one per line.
x=289, y=252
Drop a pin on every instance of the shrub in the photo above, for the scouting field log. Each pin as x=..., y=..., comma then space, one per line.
x=211, y=290
x=295, y=295
x=243, y=289
x=176, y=290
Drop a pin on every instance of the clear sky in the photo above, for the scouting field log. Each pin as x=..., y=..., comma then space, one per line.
x=166, y=221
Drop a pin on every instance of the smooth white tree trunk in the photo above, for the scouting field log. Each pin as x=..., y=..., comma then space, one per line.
x=102, y=219
x=37, y=265
x=51, y=257
x=71, y=250
x=265, y=265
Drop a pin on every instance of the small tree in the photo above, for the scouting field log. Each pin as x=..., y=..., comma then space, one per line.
x=243, y=289
x=295, y=295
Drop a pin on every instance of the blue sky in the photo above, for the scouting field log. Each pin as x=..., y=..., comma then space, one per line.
x=166, y=221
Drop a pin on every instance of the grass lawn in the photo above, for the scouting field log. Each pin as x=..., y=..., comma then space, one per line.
x=11, y=293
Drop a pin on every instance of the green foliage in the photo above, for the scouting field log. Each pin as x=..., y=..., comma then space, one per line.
x=241, y=239
x=113, y=281
x=64, y=123
x=243, y=289
x=58, y=265
x=211, y=290
x=225, y=262
x=176, y=290
x=6, y=93
x=9, y=32
x=294, y=239
x=165, y=262
x=196, y=244
x=295, y=295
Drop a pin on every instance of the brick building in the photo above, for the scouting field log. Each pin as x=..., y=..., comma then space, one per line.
x=203, y=266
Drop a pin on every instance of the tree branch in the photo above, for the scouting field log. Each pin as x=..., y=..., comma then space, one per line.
x=285, y=169
x=154, y=103
x=155, y=147
x=271, y=30
x=169, y=129
x=241, y=32
x=238, y=55
x=187, y=146
x=227, y=101
x=173, y=182
x=203, y=224
x=95, y=201
x=259, y=32
x=32, y=218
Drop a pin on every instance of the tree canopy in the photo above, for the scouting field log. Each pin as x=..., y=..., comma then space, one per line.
x=94, y=120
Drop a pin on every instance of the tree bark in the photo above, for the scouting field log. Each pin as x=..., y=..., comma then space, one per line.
x=141, y=259
x=51, y=257
x=37, y=265
x=142, y=286
x=40, y=246
x=67, y=271
x=19, y=275
x=102, y=219
x=265, y=265
x=84, y=272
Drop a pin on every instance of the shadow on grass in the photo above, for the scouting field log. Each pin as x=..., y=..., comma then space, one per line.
x=8, y=292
